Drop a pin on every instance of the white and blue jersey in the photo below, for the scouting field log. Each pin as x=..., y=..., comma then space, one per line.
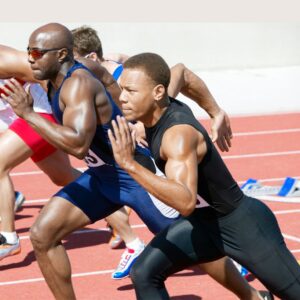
x=105, y=187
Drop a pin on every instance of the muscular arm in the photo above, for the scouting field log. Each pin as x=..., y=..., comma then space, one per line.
x=77, y=99
x=105, y=77
x=182, y=147
x=189, y=84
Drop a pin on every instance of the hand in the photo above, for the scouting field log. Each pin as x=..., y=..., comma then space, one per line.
x=19, y=99
x=123, y=143
x=140, y=134
x=221, y=131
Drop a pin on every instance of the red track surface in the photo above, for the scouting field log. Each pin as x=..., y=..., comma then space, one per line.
x=275, y=155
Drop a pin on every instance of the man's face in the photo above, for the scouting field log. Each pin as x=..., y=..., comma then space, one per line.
x=137, y=97
x=42, y=56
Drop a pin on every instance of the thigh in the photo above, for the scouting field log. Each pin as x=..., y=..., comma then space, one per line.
x=58, y=167
x=58, y=218
x=86, y=194
x=185, y=243
x=13, y=150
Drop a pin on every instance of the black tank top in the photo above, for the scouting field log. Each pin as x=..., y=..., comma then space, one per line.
x=215, y=183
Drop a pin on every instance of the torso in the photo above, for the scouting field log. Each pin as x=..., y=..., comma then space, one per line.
x=215, y=183
x=100, y=152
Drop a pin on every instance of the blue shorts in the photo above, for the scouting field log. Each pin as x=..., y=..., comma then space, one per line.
x=100, y=192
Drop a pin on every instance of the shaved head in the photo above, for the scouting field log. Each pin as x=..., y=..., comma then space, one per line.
x=52, y=35
x=50, y=50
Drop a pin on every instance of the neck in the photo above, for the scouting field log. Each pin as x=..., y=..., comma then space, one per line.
x=57, y=81
x=161, y=106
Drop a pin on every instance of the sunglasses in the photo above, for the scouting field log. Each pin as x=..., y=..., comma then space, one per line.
x=37, y=53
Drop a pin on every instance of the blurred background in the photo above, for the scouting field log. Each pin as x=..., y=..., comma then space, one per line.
x=250, y=68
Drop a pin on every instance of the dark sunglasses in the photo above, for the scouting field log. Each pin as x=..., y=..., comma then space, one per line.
x=37, y=53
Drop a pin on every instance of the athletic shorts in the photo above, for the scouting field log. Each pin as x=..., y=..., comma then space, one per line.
x=98, y=194
x=40, y=147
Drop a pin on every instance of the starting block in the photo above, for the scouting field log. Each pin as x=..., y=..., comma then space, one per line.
x=290, y=188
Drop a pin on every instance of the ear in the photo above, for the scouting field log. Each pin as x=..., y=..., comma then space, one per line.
x=62, y=54
x=159, y=92
x=93, y=56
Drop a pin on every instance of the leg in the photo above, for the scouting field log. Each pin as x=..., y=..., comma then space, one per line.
x=13, y=152
x=76, y=205
x=183, y=244
x=258, y=244
x=57, y=219
x=119, y=221
x=179, y=246
x=58, y=167
x=225, y=273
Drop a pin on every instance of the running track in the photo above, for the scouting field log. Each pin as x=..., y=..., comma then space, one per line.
x=264, y=147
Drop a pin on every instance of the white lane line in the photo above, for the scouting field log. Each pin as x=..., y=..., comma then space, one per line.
x=87, y=230
x=283, y=212
x=292, y=238
x=92, y=230
x=37, y=172
x=263, y=132
x=279, y=199
x=225, y=157
x=261, y=154
x=42, y=279
x=103, y=272
x=266, y=154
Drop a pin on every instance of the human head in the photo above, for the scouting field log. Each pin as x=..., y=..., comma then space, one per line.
x=144, y=84
x=87, y=42
x=49, y=47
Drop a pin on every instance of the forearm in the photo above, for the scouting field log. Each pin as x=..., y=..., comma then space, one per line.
x=115, y=93
x=62, y=137
x=193, y=87
x=168, y=191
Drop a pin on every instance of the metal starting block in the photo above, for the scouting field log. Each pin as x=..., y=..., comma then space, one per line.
x=290, y=188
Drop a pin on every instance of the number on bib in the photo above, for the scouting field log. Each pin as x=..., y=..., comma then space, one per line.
x=92, y=160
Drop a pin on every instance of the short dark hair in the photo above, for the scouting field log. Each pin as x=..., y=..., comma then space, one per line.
x=153, y=65
x=86, y=40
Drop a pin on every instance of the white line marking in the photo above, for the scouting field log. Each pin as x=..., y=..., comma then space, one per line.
x=93, y=230
x=35, y=201
x=279, y=199
x=224, y=157
x=90, y=230
x=37, y=172
x=261, y=154
x=283, y=212
x=266, y=132
x=42, y=279
x=103, y=272
x=292, y=238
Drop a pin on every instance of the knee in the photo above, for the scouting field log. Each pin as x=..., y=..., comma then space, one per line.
x=136, y=273
x=39, y=237
x=4, y=169
x=65, y=177
x=60, y=180
x=140, y=275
